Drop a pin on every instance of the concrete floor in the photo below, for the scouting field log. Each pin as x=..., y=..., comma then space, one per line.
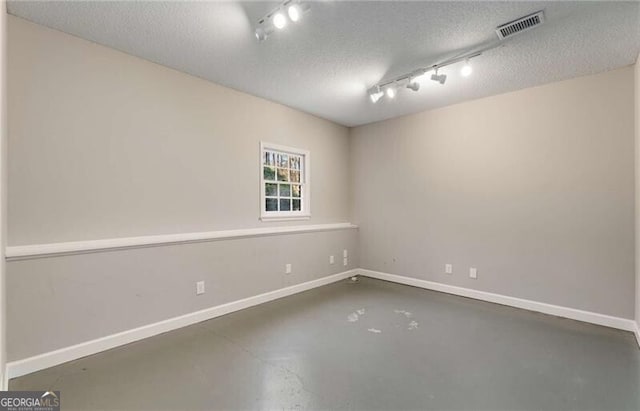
x=405, y=349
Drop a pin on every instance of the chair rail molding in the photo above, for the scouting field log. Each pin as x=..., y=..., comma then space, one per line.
x=20, y=252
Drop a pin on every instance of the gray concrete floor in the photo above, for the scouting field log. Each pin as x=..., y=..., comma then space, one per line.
x=309, y=351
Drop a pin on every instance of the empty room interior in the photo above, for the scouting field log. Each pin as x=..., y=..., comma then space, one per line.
x=320, y=205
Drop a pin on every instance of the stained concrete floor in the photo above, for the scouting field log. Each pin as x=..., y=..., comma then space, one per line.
x=372, y=345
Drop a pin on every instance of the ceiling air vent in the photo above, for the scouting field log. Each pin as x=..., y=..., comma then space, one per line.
x=521, y=25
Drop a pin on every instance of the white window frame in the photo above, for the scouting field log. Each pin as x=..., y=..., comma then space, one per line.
x=305, y=182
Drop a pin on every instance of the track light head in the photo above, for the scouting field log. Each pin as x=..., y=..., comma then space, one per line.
x=260, y=34
x=295, y=12
x=263, y=31
x=279, y=20
x=413, y=85
x=391, y=91
x=466, y=69
x=375, y=94
x=440, y=78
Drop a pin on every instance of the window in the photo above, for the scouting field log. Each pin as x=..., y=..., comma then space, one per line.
x=284, y=183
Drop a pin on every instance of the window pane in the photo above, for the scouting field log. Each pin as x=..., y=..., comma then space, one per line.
x=296, y=205
x=296, y=190
x=285, y=204
x=294, y=163
x=270, y=189
x=283, y=175
x=295, y=176
x=285, y=190
x=269, y=173
x=269, y=158
x=271, y=204
x=283, y=160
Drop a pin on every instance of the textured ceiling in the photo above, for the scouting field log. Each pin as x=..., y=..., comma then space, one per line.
x=324, y=64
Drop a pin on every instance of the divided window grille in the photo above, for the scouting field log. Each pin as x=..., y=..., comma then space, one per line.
x=284, y=182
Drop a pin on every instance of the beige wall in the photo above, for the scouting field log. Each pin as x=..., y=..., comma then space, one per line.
x=3, y=185
x=103, y=145
x=534, y=188
x=637, y=141
x=107, y=145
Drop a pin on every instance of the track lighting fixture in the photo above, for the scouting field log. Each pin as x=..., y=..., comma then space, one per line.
x=410, y=80
x=414, y=79
x=440, y=78
x=278, y=18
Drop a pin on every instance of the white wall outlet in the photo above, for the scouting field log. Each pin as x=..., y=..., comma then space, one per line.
x=332, y=259
x=345, y=261
x=448, y=268
x=345, y=253
x=200, y=287
x=287, y=269
x=473, y=273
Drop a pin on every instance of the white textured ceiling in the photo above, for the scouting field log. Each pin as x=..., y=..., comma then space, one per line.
x=324, y=64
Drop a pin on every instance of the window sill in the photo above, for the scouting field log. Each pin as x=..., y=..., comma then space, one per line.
x=286, y=218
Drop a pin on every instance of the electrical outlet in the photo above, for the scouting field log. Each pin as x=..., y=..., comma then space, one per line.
x=345, y=261
x=200, y=287
x=473, y=273
x=287, y=269
x=448, y=268
x=345, y=253
x=332, y=259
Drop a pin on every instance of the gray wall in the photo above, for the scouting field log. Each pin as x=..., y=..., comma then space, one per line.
x=106, y=145
x=534, y=188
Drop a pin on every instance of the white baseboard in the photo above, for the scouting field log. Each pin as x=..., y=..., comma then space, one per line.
x=559, y=311
x=39, y=362
x=637, y=332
